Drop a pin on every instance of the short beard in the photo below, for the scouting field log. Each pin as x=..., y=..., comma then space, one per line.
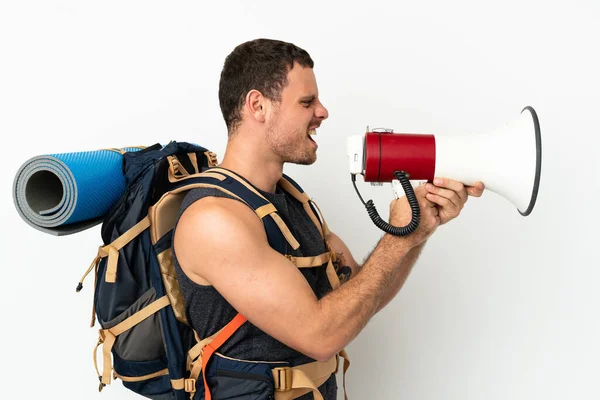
x=288, y=151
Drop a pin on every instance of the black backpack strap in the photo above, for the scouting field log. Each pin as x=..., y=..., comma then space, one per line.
x=313, y=211
x=311, y=208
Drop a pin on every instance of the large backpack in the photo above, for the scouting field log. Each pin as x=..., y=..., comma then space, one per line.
x=145, y=337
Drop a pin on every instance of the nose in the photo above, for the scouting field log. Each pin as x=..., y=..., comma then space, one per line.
x=321, y=112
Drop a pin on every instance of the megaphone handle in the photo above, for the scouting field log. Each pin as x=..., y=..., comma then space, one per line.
x=412, y=201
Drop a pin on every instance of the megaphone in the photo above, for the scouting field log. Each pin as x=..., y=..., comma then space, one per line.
x=508, y=160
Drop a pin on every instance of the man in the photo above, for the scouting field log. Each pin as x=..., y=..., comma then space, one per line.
x=270, y=101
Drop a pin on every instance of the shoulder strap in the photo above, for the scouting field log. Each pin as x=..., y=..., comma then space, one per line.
x=278, y=234
x=290, y=186
x=313, y=211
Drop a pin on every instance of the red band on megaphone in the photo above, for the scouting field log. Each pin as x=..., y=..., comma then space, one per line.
x=387, y=152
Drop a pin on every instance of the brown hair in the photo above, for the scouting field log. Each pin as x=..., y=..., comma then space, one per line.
x=260, y=64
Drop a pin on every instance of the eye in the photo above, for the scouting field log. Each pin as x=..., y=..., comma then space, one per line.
x=306, y=104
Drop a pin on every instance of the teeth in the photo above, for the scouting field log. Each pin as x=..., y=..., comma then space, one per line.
x=312, y=132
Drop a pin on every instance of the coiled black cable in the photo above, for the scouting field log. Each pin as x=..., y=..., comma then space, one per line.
x=412, y=201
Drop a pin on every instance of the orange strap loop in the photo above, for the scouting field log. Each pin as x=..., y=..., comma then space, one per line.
x=221, y=338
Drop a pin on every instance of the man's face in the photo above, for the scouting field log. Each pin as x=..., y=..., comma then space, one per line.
x=297, y=116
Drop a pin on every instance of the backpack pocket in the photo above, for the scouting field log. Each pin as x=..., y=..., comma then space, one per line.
x=147, y=378
x=135, y=340
x=234, y=379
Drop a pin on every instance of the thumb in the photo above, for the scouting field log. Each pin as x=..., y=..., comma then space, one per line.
x=475, y=190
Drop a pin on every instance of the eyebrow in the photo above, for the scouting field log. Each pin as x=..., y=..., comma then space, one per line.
x=307, y=98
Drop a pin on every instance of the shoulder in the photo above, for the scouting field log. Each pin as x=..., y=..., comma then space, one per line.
x=210, y=218
x=212, y=228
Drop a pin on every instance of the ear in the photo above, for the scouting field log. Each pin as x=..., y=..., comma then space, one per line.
x=256, y=105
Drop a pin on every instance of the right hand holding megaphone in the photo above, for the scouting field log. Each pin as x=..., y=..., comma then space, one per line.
x=450, y=196
x=439, y=203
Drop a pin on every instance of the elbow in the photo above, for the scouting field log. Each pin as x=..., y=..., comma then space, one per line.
x=320, y=353
x=325, y=356
x=321, y=339
x=323, y=347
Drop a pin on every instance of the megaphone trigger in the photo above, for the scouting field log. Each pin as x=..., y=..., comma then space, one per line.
x=397, y=188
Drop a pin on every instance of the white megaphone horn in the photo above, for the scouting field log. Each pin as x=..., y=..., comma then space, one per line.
x=507, y=160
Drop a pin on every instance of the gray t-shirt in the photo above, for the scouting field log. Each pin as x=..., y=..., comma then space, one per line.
x=207, y=311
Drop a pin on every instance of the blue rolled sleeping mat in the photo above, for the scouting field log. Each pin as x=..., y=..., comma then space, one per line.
x=61, y=194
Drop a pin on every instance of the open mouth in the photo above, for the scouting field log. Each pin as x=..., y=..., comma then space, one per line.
x=310, y=133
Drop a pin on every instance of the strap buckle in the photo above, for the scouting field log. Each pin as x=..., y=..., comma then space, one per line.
x=189, y=385
x=212, y=158
x=283, y=378
x=176, y=169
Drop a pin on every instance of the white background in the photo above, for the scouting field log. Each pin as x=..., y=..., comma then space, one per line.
x=498, y=307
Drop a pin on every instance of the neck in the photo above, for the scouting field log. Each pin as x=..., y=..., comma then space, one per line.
x=250, y=159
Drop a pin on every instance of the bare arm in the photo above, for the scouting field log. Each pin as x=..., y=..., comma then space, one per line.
x=404, y=268
x=223, y=242
x=449, y=198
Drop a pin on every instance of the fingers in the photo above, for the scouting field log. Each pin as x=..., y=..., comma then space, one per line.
x=446, y=197
x=443, y=202
x=431, y=216
x=421, y=192
x=449, y=195
x=452, y=185
x=463, y=191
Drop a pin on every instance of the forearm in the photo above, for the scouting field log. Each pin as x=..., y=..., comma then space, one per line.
x=344, y=312
x=406, y=266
